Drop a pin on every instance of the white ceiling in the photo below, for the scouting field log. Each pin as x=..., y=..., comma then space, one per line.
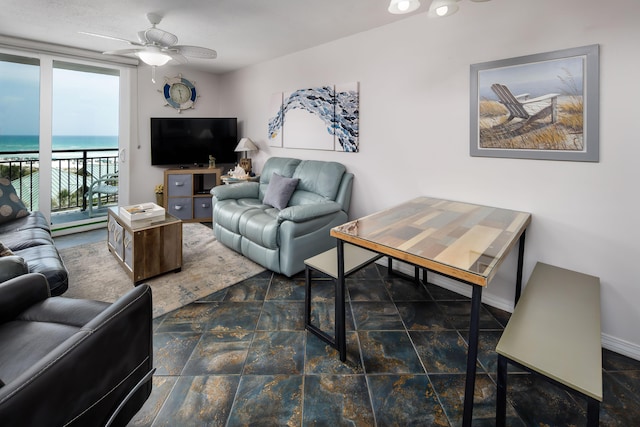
x=243, y=32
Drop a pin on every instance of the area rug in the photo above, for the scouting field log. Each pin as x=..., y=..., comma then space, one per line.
x=207, y=267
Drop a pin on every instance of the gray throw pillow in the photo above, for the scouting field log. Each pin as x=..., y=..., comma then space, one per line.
x=11, y=207
x=279, y=191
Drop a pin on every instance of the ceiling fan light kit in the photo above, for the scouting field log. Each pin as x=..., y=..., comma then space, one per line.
x=437, y=9
x=156, y=47
x=398, y=7
x=442, y=8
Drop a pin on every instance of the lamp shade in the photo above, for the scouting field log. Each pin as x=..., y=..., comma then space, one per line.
x=246, y=144
x=153, y=56
x=403, y=6
x=442, y=8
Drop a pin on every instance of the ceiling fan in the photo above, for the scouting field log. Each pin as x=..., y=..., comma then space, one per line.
x=156, y=47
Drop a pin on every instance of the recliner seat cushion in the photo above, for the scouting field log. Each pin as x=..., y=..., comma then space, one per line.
x=261, y=227
x=45, y=259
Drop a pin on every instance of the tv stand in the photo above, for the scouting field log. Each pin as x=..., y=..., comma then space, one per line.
x=187, y=192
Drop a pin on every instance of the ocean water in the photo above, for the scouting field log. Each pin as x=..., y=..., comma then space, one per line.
x=29, y=143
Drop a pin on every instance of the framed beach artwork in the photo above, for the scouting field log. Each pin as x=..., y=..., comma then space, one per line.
x=543, y=106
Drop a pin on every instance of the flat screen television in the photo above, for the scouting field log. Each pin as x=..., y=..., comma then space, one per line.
x=178, y=141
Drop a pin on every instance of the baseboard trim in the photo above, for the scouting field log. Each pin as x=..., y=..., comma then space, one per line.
x=609, y=342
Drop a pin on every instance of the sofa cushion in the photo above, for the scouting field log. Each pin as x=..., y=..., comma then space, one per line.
x=11, y=207
x=319, y=178
x=28, y=238
x=279, y=191
x=261, y=227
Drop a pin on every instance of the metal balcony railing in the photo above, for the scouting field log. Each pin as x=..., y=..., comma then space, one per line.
x=72, y=174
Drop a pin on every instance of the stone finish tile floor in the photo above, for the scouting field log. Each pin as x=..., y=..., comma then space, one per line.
x=241, y=357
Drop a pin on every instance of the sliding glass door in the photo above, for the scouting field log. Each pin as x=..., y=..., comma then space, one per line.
x=61, y=136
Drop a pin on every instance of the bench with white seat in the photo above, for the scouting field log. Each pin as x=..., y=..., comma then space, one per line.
x=554, y=331
x=355, y=258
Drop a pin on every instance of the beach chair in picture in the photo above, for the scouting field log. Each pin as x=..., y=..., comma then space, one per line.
x=522, y=107
x=105, y=186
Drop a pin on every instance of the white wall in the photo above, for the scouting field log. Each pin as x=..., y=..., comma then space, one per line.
x=414, y=133
x=143, y=177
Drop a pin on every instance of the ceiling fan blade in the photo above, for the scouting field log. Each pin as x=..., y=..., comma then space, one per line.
x=196, y=51
x=177, y=57
x=122, y=51
x=112, y=38
x=160, y=37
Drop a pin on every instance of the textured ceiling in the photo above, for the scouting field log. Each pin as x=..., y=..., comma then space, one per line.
x=243, y=32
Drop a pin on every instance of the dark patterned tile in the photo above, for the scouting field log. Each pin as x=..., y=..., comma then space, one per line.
x=442, y=294
x=538, y=402
x=321, y=358
x=324, y=290
x=458, y=314
x=268, y=400
x=405, y=400
x=283, y=288
x=441, y=352
x=367, y=290
x=248, y=290
x=487, y=356
x=612, y=361
x=337, y=400
x=281, y=316
x=500, y=315
x=450, y=390
x=389, y=352
x=216, y=296
x=276, y=353
x=219, y=353
x=235, y=316
x=323, y=317
x=406, y=290
x=369, y=272
x=171, y=350
x=376, y=316
x=621, y=399
x=423, y=315
x=190, y=318
x=162, y=386
x=199, y=401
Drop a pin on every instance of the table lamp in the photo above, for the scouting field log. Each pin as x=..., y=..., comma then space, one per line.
x=245, y=145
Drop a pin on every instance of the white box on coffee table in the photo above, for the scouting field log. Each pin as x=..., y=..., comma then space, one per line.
x=141, y=213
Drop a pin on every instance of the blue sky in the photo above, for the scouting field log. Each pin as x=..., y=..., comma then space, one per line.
x=83, y=103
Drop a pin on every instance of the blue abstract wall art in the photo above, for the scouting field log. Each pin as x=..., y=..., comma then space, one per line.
x=320, y=118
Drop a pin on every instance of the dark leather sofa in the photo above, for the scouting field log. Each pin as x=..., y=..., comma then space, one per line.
x=29, y=238
x=72, y=362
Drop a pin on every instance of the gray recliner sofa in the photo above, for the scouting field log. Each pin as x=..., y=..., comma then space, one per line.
x=281, y=239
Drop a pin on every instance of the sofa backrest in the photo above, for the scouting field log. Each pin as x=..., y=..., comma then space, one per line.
x=283, y=166
x=319, y=180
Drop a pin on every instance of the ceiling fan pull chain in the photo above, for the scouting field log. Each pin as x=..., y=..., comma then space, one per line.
x=153, y=73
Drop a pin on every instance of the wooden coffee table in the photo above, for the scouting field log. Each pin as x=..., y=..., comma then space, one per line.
x=145, y=249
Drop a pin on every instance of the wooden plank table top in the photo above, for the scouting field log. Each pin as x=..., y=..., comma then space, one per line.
x=462, y=240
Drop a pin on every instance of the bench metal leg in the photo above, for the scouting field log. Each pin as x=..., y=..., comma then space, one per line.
x=593, y=412
x=472, y=355
x=501, y=395
x=519, y=272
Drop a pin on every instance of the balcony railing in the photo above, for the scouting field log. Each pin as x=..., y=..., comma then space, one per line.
x=73, y=171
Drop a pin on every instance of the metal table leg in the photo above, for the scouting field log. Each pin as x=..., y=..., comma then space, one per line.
x=341, y=336
x=472, y=355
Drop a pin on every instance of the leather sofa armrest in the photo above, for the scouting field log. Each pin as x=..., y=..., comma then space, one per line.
x=12, y=266
x=20, y=293
x=245, y=190
x=300, y=213
x=84, y=378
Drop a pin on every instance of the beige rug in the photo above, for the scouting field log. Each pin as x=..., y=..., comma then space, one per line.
x=207, y=267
